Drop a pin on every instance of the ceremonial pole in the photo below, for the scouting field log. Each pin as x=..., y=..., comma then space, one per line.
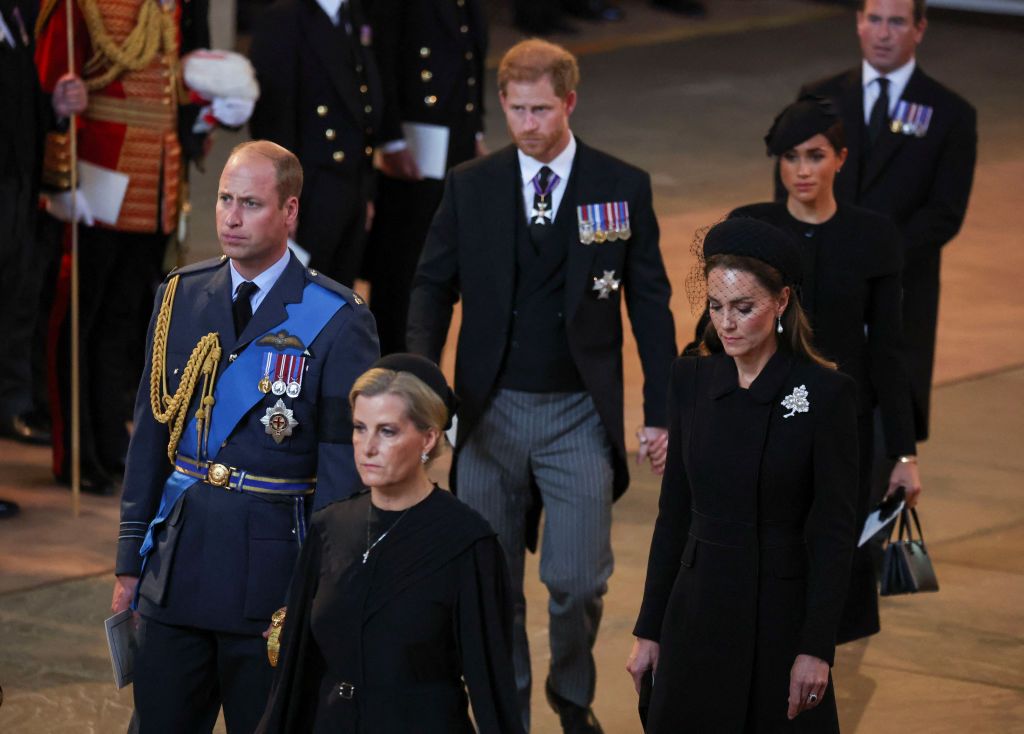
x=76, y=391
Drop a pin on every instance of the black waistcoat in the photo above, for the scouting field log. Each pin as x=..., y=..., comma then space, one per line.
x=537, y=357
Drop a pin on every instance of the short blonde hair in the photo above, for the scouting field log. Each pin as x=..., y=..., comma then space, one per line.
x=423, y=406
x=287, y=169
x=532, y=59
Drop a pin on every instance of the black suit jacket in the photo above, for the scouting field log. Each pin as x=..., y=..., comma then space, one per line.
x=923, y=185
x=223, y=559
x=430, y=69
x=470, y=254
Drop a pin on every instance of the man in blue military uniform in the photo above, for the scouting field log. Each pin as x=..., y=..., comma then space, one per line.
x=241, y=428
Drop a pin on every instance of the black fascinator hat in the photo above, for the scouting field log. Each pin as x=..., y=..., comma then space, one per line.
x=800, y=121
x=427, y=372
x=754, y=238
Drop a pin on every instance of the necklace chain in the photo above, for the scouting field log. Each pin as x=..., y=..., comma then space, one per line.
x=370, y=546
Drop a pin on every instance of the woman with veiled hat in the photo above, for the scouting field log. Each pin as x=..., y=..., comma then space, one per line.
x=851, y=291
x=399, y=602
x=750, y=557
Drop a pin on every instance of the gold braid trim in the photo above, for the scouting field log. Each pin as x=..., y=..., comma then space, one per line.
x=154, y=28
x=46, y=8
x=172, y=409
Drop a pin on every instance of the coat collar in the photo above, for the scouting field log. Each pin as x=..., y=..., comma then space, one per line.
x=766, y=386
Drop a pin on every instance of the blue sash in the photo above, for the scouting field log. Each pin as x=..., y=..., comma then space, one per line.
x=237, y=392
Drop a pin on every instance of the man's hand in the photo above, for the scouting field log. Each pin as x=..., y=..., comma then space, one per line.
x=70, y=97
x=401, y=165
x=808, y=680
x=906, y=475
x=481, y=148
x=124, y=593
x=232, y=111
x=59, y=207
x=643, y=657
x=653, y=446
x=371, y=212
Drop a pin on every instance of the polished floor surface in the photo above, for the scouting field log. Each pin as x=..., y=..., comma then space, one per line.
x=688, y=101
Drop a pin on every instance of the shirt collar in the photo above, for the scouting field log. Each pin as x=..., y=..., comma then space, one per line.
x=264, y=280
x=765, y=386
x=898, y=78
x=561, y=165
x=332, y=8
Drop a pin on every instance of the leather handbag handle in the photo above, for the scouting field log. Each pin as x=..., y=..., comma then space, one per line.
x=905, y=531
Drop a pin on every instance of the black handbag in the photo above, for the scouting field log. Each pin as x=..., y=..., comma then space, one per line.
x=906, y=566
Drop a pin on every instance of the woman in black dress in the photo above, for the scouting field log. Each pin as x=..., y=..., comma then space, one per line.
x=751, y=551
x=399, y=601
x=851, y=260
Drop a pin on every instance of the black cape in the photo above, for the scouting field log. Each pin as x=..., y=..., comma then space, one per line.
x=426, y=617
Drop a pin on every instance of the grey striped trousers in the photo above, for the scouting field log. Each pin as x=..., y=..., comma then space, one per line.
x=557, y=441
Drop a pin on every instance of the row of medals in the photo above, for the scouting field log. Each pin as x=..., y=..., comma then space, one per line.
x=280, y=387
x=589, y=236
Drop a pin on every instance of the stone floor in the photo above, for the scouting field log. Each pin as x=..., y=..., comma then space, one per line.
x=946, y=662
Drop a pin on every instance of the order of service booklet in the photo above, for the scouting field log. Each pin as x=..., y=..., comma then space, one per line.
x=121, y=641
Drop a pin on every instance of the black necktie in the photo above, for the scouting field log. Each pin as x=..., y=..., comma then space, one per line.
x=242, y=307
x=880, y=111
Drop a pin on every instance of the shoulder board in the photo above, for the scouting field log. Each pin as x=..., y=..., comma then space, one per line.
x=199, y=267
x=345, y=292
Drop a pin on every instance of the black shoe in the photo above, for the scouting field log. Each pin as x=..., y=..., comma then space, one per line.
x=689, y=8
x=16, y=427
x=575, y=719
x=596, y=10
x=8, y=509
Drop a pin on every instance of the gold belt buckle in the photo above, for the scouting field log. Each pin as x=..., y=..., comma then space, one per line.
x=218, y=475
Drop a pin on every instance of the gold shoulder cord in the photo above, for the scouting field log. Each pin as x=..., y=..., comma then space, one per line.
x=171, y=409
x=154, y=29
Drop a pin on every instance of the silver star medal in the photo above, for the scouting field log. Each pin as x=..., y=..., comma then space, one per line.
x=279, y=421
x=540, y=213
x=796, y=402
x=606, y=284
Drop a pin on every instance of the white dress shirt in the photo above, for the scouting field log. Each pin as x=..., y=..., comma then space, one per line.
x=897, y=83
x=332, y=8
x=264, y=280
x=561, y=166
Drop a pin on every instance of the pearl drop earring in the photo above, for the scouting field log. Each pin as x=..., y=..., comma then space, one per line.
x=778, y=324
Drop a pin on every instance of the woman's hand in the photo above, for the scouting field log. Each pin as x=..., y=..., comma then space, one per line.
x=808, y=680
x=905, y=474
x=643, y=657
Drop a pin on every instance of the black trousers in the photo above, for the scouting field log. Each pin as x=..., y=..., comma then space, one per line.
x=184, y=675
x=118, y=275
x=404, y=212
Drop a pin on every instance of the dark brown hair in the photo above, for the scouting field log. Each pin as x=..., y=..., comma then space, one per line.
x=797, y=336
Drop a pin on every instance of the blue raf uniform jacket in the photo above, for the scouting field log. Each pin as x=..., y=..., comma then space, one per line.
x=223, y=558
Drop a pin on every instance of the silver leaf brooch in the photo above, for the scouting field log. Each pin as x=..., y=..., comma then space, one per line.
x=796, y=402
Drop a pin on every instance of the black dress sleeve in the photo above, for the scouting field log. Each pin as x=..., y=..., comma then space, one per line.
x=831, y=521
x=673, y=523
x=291, y=707
x=483, y=621
x=884, y=319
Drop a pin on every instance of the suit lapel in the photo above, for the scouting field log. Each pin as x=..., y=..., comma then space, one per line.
x=589, y=187
x=334, y=49
x=499, y=212
x=287, y=289
x=889, y=142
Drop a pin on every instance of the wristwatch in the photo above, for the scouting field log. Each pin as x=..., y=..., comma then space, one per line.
x=907, y=459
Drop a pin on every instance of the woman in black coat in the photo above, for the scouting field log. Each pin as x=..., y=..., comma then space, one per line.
x=750, y=556
x=399, y=602
x=851, y=260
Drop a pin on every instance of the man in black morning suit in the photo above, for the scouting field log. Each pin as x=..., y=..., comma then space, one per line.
x=320, y=98
x=541, y=241
x=208, y=540
x=920, y=178
x=431, y=59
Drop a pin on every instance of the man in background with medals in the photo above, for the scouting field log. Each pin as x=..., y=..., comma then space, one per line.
x=134, y=142
x=912, y=148
x=542, y=241
x=242, y=427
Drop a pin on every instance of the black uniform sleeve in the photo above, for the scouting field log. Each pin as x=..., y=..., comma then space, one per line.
x=884, y=320
x=648, y=293
x=938, y=221
x=831, y=521
x=291, y=706
x=673, y=524
x=484, y=628
x=435, y=288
